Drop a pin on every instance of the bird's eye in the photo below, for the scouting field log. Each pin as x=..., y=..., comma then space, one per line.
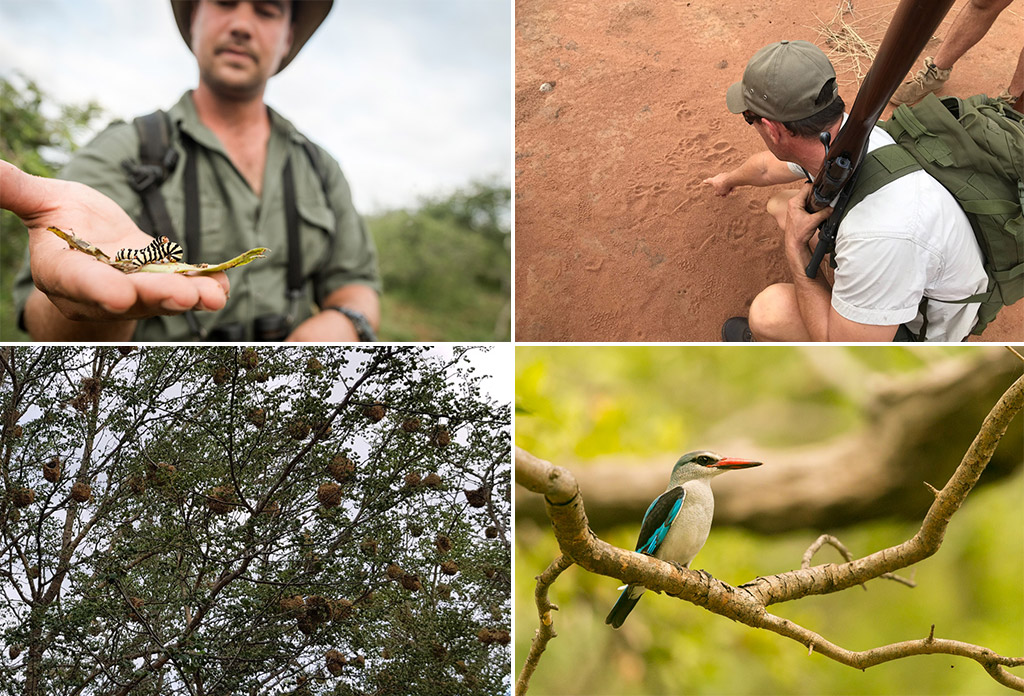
x=703, y=460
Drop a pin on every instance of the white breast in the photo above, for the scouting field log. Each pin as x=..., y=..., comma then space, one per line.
x=690, y=530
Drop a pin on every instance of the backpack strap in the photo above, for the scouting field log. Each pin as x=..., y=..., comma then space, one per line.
x=291, y=219
x=157, y=160
x=880, y=167
x=313, y=153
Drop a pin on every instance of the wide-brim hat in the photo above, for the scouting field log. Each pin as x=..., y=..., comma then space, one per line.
x=307, y=15
x=785, y=81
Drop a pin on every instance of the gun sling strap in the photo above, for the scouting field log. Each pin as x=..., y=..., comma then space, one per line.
x=158, y=161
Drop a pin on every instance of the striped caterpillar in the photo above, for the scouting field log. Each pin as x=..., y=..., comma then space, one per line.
x=160, y=250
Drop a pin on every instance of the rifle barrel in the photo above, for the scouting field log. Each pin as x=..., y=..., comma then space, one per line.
x=912, y=25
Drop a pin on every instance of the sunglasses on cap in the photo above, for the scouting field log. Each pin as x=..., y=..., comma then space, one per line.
x=751, y=118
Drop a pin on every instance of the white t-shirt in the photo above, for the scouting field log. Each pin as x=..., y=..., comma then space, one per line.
x=909, y=239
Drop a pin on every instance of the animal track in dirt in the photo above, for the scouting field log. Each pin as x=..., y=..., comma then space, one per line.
x=643, y=190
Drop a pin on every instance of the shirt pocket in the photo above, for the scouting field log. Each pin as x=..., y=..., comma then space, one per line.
x=317, y=225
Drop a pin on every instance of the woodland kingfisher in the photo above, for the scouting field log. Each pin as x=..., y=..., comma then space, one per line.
x=677, y=523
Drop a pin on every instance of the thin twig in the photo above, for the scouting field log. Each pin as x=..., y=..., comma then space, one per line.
x=547, y=630
x=805, y=563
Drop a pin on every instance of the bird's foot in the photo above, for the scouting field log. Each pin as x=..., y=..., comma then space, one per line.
x=677, y=566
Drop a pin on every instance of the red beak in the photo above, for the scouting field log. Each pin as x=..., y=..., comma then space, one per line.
x=729, y=463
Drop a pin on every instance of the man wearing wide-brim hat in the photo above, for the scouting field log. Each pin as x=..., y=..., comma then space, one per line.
x=905, y=253
x=219, y=173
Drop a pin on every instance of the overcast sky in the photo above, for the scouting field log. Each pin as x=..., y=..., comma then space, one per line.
x=412, y=97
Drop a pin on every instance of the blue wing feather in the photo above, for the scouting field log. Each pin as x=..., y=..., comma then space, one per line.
x=658, y=518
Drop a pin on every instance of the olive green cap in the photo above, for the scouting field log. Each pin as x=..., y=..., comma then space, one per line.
x=783, y=81
x=307, y=15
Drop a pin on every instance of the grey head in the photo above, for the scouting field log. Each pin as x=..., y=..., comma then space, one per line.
x=703, y=464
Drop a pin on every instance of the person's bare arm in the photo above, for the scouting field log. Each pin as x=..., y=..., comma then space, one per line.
x=761, y=169
x=76, y=297
x=814, y=296
x=335, y=326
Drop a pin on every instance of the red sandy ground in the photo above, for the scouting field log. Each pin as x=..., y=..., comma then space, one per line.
x=617, y=238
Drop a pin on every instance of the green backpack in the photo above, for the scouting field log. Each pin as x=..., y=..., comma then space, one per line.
x=975, y=148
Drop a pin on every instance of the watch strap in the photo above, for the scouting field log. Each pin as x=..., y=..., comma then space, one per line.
x=358, y=319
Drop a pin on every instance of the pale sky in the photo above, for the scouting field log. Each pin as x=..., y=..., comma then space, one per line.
x=412, y=97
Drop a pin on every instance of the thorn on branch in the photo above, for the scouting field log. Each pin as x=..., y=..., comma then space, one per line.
x=931, y=635
x=933, y=489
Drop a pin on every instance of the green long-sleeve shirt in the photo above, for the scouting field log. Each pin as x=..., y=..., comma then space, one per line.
x=337, y=249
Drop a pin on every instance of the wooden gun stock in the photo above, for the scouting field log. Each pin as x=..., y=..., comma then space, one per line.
x=913, y=24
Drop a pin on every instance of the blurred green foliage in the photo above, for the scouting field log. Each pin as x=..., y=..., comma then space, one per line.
x=585, y=402
x=575, y=404
x=446, y=267
x=37, y=136
x=446, y=264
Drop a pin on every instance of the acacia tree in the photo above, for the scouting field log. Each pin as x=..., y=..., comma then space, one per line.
x=252, y=521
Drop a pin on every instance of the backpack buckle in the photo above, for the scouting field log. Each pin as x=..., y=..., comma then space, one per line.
x=142, y=176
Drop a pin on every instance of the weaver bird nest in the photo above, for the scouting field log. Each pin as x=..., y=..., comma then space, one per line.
x=298, y=429
x=221, y=499
x=342, y=609
x=257, y=416
x=329, y=495
x=220, y=375
x=162, y=473
x=478, y=498
x=494, y=635
x=375, y=412
x=249, y=358
x=22, y=497
x=51, y=470
x=441, y=436
x=81, y=492
x=342, y=468
x=336, y=661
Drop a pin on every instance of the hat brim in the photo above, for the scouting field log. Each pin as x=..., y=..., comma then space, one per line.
x=734, y=98
x=306, y=22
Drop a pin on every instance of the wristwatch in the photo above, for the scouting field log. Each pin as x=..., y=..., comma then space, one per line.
x=363, y=328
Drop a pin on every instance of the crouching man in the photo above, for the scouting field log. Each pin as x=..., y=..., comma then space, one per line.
x=904, y=254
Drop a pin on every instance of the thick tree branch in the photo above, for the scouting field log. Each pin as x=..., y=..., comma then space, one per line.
x=747, y=603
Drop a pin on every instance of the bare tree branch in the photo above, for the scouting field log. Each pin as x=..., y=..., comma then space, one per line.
x=748, y=603
x=547, y=629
